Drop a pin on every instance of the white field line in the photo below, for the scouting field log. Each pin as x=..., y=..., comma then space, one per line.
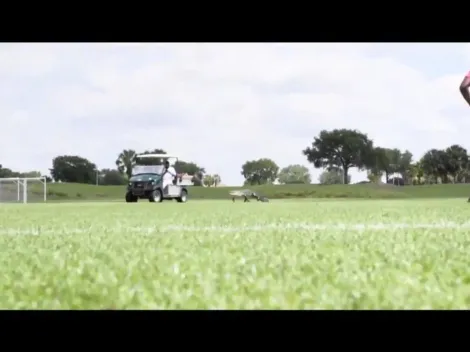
x=319, y=227
x=242, y=228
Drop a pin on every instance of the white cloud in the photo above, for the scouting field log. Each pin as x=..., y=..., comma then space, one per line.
x=222, y=104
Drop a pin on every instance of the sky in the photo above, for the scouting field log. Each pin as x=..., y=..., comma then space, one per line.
x=221, y=104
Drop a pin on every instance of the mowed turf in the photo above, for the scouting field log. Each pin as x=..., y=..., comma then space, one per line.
x=224, y=255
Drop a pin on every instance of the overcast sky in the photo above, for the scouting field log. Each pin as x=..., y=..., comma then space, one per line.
x=222, y=104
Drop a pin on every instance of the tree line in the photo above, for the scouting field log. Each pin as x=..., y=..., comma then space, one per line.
x=335, y=151
x=77, y=169
x=7, y=173
x=343, y=149
x=73, y=168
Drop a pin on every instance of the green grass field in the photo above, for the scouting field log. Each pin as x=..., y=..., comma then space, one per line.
x=217, y=254
x=83, y=192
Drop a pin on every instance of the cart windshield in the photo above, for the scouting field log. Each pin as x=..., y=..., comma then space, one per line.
x=147, y=169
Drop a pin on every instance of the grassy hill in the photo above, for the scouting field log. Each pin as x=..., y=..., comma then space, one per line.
x=70, y=191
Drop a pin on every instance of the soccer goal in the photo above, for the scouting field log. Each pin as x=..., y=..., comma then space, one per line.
x=23, y=189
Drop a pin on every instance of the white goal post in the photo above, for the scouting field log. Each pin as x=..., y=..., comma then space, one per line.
x=18, y=189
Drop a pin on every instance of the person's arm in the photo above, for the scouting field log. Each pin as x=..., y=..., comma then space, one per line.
x=464, y=86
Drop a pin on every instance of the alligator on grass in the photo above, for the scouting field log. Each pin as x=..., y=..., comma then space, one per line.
x=246, y=194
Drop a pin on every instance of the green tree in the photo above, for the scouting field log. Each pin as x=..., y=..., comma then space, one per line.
x=126, y=161
x=6, y=172
x=333, y=176
x=189, y=168
x=435, y=164
x=73, y=168
x=464, y=176
x=383, y=162
x=374, y=176
x=261, y=171
x=416, y=173
x=341, y=148
x=112, y=177
x=294, y=174
x=390, y=161
x=30, y=174
x=442, y=163
x=457, y=158
x=217, y=180
x=208, y=180
x=404, y=165
x=211, y=180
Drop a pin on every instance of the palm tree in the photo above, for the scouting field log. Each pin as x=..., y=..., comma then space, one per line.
x=217, y=180
x=126, y=161
x=415, y=173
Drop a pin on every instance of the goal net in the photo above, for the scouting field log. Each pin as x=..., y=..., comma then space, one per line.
x=23, y=190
